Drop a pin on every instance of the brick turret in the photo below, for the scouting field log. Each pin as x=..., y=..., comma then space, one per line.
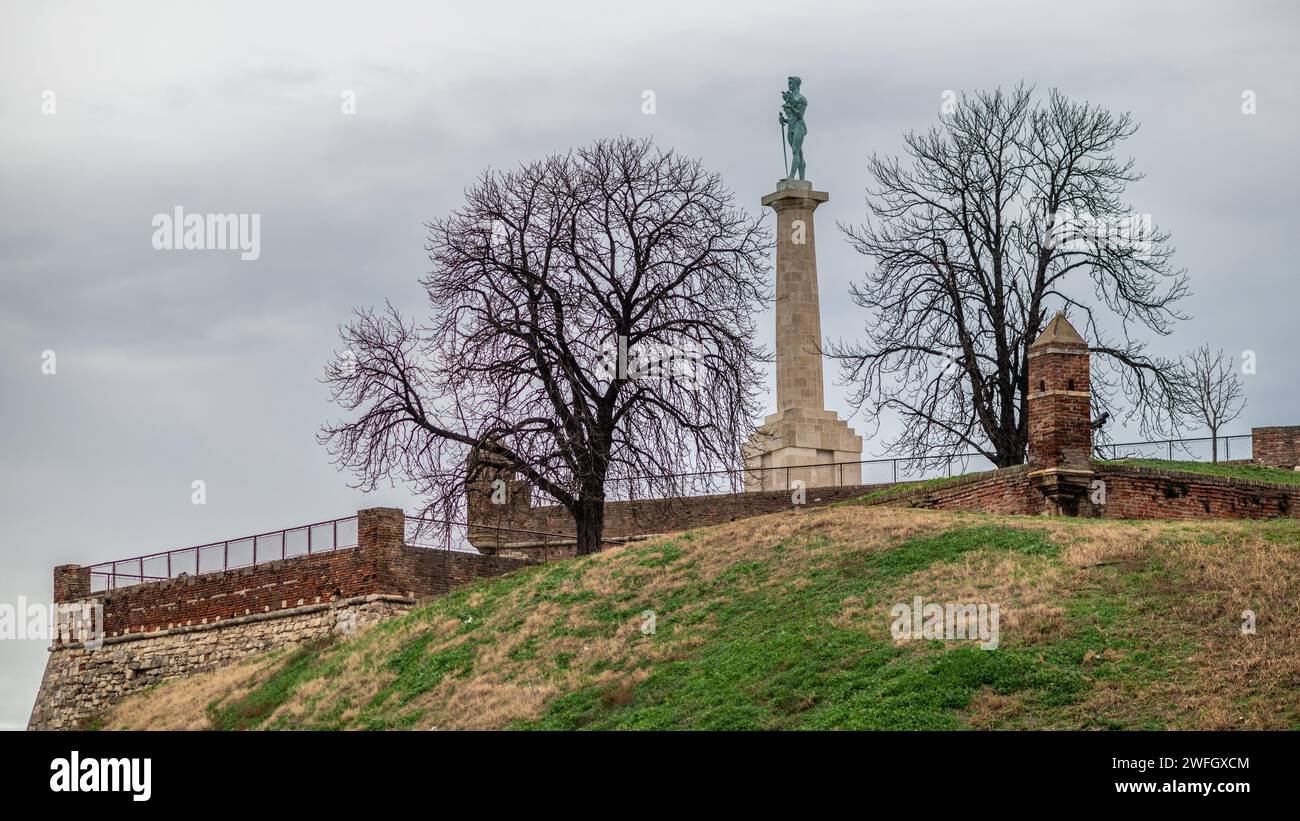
x=495, y=497
x=1060, y=416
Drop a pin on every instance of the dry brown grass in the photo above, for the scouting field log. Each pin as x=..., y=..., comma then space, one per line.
x=182, y=704
x=1193, y=583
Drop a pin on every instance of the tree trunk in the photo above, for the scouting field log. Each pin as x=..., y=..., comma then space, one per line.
x=1214, y=445
x=589, y=519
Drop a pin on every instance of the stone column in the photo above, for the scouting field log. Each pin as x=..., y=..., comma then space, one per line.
x=798, y=307
x=802, y=441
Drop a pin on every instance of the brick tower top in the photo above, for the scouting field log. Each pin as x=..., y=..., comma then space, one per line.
x=1060, y=399
x=1059, y=333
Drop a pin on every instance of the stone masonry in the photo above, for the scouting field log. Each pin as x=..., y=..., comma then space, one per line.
x=156, y=631
x=801, y=432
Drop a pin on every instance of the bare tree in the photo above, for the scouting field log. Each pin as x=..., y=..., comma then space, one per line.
x=592, y=321
x=1210, y=391
x=1008, y=211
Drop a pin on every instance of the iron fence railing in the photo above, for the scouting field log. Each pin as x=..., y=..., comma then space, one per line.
x=891, y=470
x=821, y=474
x=1197, y=449
x=228, y=554
x=339, y=534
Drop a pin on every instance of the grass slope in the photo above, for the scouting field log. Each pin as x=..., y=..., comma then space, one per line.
x=783, y=621
x=1277, y=476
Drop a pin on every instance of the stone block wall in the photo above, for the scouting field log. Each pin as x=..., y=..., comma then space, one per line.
x=80, y=683
x=161, y=630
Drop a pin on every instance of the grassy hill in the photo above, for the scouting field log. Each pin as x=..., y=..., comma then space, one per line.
x=783, y=621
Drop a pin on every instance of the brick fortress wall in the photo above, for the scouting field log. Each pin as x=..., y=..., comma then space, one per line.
x=625, y=519
x=161, y=630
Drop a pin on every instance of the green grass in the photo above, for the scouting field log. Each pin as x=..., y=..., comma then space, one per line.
x=255, y=707
x=923, y=484
x=775, y=660
x=1255, y=473
x=763, y=631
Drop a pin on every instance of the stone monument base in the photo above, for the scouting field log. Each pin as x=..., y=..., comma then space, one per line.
x=781, y=451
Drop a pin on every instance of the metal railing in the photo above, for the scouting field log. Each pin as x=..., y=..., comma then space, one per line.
x=822, y=474
x=1196, y=449
x=898, y=469
x=340, y=534
x=228, y=554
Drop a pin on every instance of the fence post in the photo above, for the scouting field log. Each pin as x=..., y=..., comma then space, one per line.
x=1171, y=450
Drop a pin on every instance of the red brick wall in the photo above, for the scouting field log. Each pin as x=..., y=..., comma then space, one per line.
x=1276, y=447
x=638, y=518
x=1145, y=493
x=145, y=608
x=1131, y=493
x=380, y=564
x=1007, y=491
x=435, y=572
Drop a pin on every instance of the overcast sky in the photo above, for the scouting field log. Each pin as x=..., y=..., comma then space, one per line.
x=177, y=366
